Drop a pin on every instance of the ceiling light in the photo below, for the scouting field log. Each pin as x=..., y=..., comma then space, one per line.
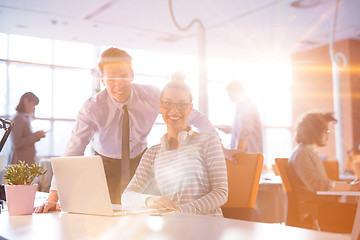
x=21, y=26
x=308, y=42
x=169, y=38
x=305, y=3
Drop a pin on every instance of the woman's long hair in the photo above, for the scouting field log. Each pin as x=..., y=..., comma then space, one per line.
x=30, y=97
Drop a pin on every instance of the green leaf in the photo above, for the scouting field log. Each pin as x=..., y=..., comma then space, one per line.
x=23, y=174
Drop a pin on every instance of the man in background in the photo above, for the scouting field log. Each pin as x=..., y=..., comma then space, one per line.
x=246, y=131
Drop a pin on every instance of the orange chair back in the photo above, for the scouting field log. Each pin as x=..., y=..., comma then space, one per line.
x=243, y=180
x=281, y=164
x=332, y=169
x=356, y=166
x=350, y=160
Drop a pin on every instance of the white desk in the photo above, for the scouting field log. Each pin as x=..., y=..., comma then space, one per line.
x=355, y=234
x=171, y=227
x=270, y=200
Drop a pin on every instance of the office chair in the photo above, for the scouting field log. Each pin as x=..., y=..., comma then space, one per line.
x=292, y=217
x=356, y=166
x=243, y=180
x=332, y=169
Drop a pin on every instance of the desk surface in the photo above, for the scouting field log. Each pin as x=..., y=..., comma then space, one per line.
x=345, y=193
x=356, y=227
x=270, y=180
x=270, y=200
x=174, y=226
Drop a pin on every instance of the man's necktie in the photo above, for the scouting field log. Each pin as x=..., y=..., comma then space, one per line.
x=125, y=151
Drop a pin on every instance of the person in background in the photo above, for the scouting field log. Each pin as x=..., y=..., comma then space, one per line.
x=246, y=131
x=22, y=137
x=307, y=176
x=188, y=167
x=102, y=116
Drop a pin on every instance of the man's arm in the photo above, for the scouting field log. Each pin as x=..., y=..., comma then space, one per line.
x=224, y=128
x=241, y=145
x=80, y=137
x=230, y=153
x=201, y=122
x=51, y=204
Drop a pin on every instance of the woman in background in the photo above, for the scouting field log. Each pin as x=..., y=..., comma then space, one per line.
x=307, y=175
x=188, y=168
x=22, y=138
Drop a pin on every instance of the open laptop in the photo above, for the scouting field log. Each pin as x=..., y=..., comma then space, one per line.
x=82, y=188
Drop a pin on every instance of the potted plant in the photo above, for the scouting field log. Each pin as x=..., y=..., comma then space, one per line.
x=20, y=189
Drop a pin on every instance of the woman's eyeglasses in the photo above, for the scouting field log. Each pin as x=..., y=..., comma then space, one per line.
x=180, y=106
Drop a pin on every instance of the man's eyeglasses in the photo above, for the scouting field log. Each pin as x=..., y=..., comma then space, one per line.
x=180, y=106
x=115, y=79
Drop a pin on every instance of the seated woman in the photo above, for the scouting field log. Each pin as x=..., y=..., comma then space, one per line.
x=188, y=167
x=307, y=176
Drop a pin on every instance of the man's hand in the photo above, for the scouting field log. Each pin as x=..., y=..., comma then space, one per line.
x=229, y=154
x=47, y=206
x=50, y=204
x=161, y=202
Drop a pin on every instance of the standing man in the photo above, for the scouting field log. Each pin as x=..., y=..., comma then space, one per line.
x=246, y=131
x=124, y=110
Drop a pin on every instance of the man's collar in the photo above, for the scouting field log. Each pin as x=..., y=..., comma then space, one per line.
x=127, y=102
x=241, y=100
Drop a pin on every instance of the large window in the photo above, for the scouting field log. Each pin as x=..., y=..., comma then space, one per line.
x=64, y=74
x=58, y=72
x=3, y=46
x=30, y=78
x=3, y=89
x=72, y=54
x=71, y=88
x=30, y=49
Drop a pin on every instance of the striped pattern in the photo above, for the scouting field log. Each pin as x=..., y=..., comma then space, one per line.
x=194, y=176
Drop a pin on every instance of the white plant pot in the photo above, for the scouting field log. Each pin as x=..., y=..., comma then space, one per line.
x=20, y=199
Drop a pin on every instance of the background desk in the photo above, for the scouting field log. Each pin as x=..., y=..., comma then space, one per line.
x=270, y=201
x=44, y=181
x=171, y=227
x=355, y=234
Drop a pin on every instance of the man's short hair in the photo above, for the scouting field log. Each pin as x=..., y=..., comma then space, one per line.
x=312, y=125
x=235, y=85
x=113, y=55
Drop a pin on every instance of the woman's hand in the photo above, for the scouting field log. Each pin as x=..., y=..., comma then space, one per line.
x=161, y=202
x=40, y=134
x=47, y=206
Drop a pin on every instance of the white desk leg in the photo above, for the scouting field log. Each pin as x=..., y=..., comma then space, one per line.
x=356, y=228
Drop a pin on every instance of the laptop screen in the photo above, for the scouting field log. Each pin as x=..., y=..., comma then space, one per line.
x=81, y=185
